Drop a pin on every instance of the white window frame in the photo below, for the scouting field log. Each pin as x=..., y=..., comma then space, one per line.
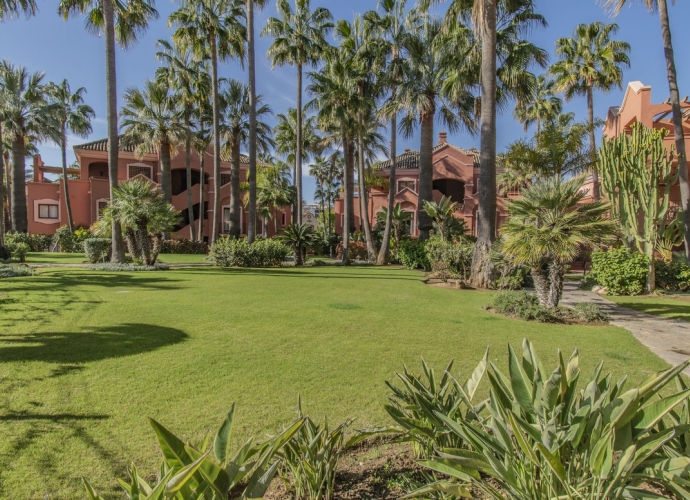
x=98, y=202
x=223, y=220
x=46, y=220
x=405, y=179
x=413, y=222
x=129, y=176
x=50, y=207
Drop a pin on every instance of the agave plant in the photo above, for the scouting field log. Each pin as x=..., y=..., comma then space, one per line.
x=544, y=438
x=299, y=237
x=208, y=470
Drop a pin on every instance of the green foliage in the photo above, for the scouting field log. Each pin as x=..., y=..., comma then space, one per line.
x=299, y=237
x=400, y=219
x=114, y=267
x=208, y=469
x=358, y=250
x=446, y=225
x=97, y=249
x=227, y=252
x=311, y=457
x=70, y=242
x=523, y=305
x=454, y=258
x=36, y=242
x=589, y=312
x=674, y=275
x=412, y=254
x=510, y=276
x=621, y=271
x=19, y=251
x=12, y=271
x=184, y=246
x=543, y=438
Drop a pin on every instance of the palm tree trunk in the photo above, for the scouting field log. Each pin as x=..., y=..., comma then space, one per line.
x=556, y=276
x=592, y=143
x=166, y=181
x=541, y=285
x=363, y=202
x=117, y=254
x=426, y=173
x=216, y=141
x=384, y=253
x=677, y=122
x=188, y=169
x=482, y=268
x=65, y=184
x=8, y=189
x=347, y=205
x=235, y=229
x=351, y=182
x=2, y=190
x=251, y=231
x=298, y=150
x=18, y=192
x=202, y=191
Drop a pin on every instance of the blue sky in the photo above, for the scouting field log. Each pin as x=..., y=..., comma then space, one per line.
x=63, y=49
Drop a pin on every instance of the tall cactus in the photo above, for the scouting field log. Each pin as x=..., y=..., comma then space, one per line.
x=636, y=174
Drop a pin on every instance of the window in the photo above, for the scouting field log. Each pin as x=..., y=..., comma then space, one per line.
x=406, y=184
x=100, y=206
x=47, y=211
x=226, y=219
x=139, y=169
x=408, y=225
x=282, y=220
x=224, y=179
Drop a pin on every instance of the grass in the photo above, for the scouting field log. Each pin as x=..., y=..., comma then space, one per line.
x=78, y=258
x=673, y=306
x=86, y=356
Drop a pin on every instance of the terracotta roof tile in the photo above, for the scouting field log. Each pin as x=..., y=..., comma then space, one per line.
x=410, y=159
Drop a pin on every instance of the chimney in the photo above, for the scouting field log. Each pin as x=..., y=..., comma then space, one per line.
x=37, y=164
x=443, y=138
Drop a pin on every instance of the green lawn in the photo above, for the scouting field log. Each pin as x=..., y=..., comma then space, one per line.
x=86, y=356
x=78, y=258
x=676, y=306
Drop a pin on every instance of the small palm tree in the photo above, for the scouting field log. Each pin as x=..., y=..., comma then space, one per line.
x=153, y=119
x=443, y=216
x=400, y=221
x=300, y=237
x=144, y=216
x=548, y=227
x=73, y=116
x=540, y=105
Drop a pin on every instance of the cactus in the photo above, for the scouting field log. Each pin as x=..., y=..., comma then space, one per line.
x=636, y=172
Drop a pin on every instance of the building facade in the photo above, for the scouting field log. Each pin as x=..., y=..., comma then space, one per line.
x=89, y=189
x=455, y=175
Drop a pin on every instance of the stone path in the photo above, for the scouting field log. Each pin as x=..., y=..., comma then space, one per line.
x=667, y=338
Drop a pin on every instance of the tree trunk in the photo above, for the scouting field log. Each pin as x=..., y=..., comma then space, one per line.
x=351, y=182
x=166, y=176
x=592, y=143
x=426, y=173
x=556, y=276
x=8, y=189
x=188, y=168
x=65, y=184
x=677, y=123
x=541, y=285
x=235, y=226
x=18, y=193
x=118, y=245
x=347, y=205
x=251, y=230
x=217, y=216
x=2, y=190
x=202, y=194
x=298, y=150
x=482, y=268
x=363, y=202
x=384, y=253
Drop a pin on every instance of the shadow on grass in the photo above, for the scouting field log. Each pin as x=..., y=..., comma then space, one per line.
x=331, y=272
x=66, y=280
x=90, y=345
x=53, y=417
x=670, y=311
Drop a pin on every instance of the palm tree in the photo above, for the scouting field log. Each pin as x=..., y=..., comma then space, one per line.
x=547, y=228
x=299, y=237
x=74, y=116
x=299, y=39
x=662, y=7
x=590, y=61
x=152, y=119
x=400, y=219
x=443, y=216
x=213, y=29
x=27, y=114
x=274, y=192
x=236, y=128
x=542, y=105
x=119, y=22
x=12, y=8
x=184, y=72
x=201, y=140
x=285, y=133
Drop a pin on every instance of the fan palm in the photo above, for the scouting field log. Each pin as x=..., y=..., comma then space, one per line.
x=285, y=134
x=119, y=22
x=548, y=227
x=152, y=119
x=590, y=61
x=540, y=106
x=27, y=113
x=661, y=6
x=73, y=116
x=443, y=216
x=400, y=219
x=299, y=38
x=300, y=237
x=236, y=128
x=213, y=29
x=274, y=192
x=12, y=8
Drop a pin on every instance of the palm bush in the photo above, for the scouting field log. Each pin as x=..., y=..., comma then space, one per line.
x=443, y=218
x=299, y=237
x=400, y=221
x=545, y=438
x=144, y=215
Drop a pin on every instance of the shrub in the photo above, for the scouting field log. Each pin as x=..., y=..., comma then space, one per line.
x=522, y=305
x=622, y=272
x=228, y=252
x=128, y=267
x=20, y=251
x=589, y=312
x=412, y=254
x=449, y=257
x=36, y=242
x=14, y=271
x=5, y=254
x=673, y=276
x=71, y=242
x=358, y=250
x=184, y=246
x=97, y=249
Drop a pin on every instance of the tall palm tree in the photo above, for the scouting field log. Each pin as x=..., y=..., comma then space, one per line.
x=214, y=30
x=201, y=140
x=541, y=105
x=236, y=129
x=590, y=61
x=27, y=114
x=12, y=8
x=274, y=192
x=152, y=120
x=285, y=133
x=119, y=22
x=299, y=38
x=661, y=6
x=73, y=116
x=183, y=72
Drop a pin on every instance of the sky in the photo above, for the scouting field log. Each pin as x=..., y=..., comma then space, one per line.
x=63, y=49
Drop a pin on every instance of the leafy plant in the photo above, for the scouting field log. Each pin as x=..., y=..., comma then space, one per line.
x=523, y=305
x=19, y=251
x=621, y=271
x=443, y=216
x=12, y=271
x=673, y=275
x=412, y=254
x=589, y=312
x=228, y=252
x=300, y=237
x=357, y=251
x=184, y=246
x=455, y=257
x=37, y=242
x=71, y=242
x=116, y=267
x=97, y=249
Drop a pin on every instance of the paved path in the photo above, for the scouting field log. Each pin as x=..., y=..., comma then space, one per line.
x=667, y=338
